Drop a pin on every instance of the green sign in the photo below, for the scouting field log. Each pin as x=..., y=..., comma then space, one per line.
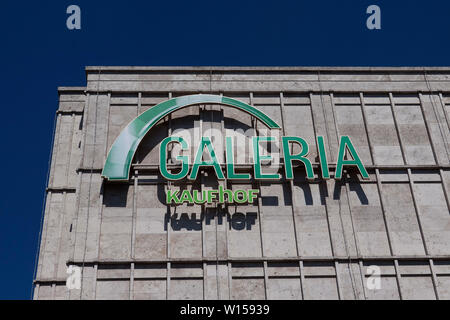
x=119, y=158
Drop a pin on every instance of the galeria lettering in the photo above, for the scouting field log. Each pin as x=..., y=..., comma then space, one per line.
x=346, y=151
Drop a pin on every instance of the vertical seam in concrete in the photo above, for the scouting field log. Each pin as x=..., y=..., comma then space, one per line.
x=383, y=209
x=230, y=280
x=100, y=222
x=349, y=263
x=361, y=268
x=336, y=272
x=134, y=214
x=313, y=120
x=434, y=279
x=355, y=237
x=216, y=219
x=366, y=127
x=399, y=277
x=322, y=184
x=397, y=129
x=444, y=186
x=302, y=279
x=70, y=150
x=203, y=206
x=36, y=292
x=425, y=120
x=138, y=108
x=441, y=125
x=444, y=110
x=131, y=297
x=436, y=114
x=53, y=290
x=324, y=114
x=94, y=281
x=108, y=117
x=167, y=186
x=417, y=211
x=204, y=278
x=168, y=280
x=62, y=218
x=291, y=183
x=217, y=253
x=225, y=207
x=266, y=280
x=260, y=212
x=56, y=149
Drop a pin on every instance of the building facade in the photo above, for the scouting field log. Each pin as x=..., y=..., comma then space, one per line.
x=386, y=237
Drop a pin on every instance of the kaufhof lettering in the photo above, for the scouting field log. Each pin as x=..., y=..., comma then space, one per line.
x=211, y=196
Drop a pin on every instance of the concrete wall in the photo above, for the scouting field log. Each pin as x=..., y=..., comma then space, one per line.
x=300, y=239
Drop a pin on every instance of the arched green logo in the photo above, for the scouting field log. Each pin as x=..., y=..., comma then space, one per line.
x=118, y=162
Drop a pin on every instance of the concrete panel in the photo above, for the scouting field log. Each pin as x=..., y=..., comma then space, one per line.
x=216, y=281
x=278, y=237
x=409, y=286
x=350, y=284
x=96, y=127
x=153, y=270
x=368, y=219
x=320, y=288
x=402, y=220
x=291, y=128
x=284, y=289
x=88, y=285
x=113, y=290
x=186, y=245
x=322, y=115
x=149, y=289
x=414, y=135
x=311, y=220
x=244, y=228
x=435, y=216
x=215, y=241
x=247, y=269
x=186, y=289
x=45, y=292
x=61, y=292
x=63, y=150
x=443, y=285
x=340, y=219
x=437, y=126
x=116, y=246
x=383, y=135
x=116, y=271
x=247, y=289
x=388, y=290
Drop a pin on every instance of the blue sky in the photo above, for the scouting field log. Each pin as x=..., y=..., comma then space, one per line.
x=38, y=53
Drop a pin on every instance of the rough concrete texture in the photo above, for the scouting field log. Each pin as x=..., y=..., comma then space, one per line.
x=300, y=239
